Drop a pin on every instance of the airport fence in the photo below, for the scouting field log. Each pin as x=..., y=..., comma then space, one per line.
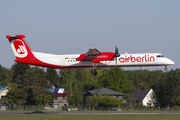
x=85, y=108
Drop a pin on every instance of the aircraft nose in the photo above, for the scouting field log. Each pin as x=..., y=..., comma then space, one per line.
x=171, y=62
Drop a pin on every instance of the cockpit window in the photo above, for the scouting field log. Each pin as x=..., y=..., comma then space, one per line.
x=160, y=56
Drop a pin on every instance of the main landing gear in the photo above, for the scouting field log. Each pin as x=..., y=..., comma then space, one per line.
x=93, y=71
x=165, y=68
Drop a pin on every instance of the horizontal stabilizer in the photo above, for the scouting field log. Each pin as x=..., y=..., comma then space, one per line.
x=12, y=37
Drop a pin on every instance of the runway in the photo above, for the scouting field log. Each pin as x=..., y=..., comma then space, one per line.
x=110, y=113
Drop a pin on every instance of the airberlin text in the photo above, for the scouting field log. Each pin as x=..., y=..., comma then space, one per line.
x=131, y=58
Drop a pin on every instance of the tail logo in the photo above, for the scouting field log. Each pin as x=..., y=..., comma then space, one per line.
x=19, y=48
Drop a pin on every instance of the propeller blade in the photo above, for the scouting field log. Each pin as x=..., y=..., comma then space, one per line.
x=116, y=50
x=116, y=60
x=116, y=54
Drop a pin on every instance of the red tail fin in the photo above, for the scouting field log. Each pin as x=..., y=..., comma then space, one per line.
x=20, y=48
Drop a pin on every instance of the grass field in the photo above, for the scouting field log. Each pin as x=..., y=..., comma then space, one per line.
x=89, y=117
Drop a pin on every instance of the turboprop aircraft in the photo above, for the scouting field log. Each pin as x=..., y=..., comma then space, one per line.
x=92, y=59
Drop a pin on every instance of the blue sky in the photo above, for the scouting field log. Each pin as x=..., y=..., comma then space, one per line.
x=73, y=26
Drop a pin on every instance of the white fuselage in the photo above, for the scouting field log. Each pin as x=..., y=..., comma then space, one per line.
x=93, y=58
x=125, y=60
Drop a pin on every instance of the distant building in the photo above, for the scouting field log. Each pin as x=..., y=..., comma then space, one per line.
x=60, y=98
x=3, y=91
x=102, y=91
x=145, y=96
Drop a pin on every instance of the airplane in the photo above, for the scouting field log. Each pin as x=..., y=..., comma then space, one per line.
x=92, y=59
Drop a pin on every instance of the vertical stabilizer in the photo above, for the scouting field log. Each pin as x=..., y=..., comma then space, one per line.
x=20, y=48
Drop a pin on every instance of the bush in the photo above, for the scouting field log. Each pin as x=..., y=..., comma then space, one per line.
x=103, y=101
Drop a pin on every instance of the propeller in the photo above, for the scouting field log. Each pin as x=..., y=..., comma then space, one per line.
x=116, y=54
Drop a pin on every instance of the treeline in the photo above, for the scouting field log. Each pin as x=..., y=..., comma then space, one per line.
x=28, y=83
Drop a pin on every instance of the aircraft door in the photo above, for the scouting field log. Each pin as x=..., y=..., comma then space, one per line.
x=62, y=61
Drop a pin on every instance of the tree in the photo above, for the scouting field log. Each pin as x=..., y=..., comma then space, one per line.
x=42, y=81
x=135, y=81
x=52, y=75
x=81, y=76
x=1, y=73
x=131, y=100
x=93, y=79
x=154, y=77
x=107, y=101
x=103, y=101
x=42, y=99
x=18, y=94
x=115, y=79
x=169, y=90
x=5, y=76
x=18, y=69
x=68, y=81
x=15, y=96
x=139, y=77
x=92, y=101
x=76, y=96
x=25, y=85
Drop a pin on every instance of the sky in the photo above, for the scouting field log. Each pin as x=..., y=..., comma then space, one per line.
x=74, y=26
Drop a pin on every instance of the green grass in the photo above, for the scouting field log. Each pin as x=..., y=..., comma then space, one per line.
x=89, y=117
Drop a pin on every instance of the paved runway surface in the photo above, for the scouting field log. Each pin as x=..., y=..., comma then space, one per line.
x=113, y=113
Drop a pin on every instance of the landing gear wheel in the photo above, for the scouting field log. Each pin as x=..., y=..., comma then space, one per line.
x=94, y=72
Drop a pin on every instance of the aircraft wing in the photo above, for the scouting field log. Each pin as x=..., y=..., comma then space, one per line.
x=96, y=56
x=93, y=51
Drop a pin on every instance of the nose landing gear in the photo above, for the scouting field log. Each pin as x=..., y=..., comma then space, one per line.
x=165, y=68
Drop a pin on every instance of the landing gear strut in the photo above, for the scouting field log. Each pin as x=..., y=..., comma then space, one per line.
x=165, y=68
